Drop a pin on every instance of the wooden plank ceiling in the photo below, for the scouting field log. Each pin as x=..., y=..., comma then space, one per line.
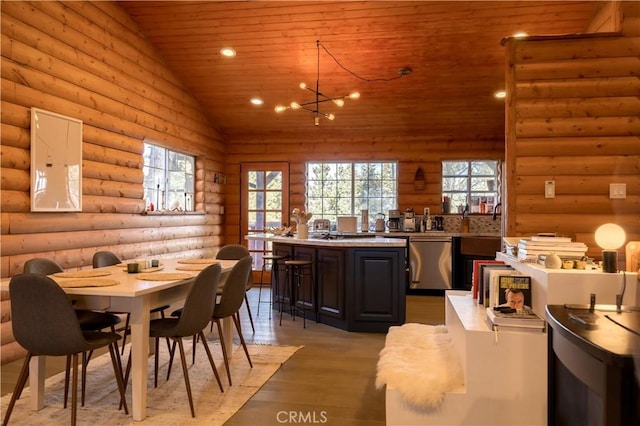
x=453, y=49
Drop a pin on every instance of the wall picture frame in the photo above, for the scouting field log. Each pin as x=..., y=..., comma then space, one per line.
x=56, y=162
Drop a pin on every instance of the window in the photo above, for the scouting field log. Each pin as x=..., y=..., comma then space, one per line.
x=169, y=179
x=470, y=183
x=344, y=189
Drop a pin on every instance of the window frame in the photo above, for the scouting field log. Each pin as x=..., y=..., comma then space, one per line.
x=480, y=198
x=330, y=184
x=156, y=185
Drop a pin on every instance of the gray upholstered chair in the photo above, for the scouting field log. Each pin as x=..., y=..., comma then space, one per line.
x=230, y=302
x=105, y=258
x=194, y=317
x=45, y=324
x=89, y=320
x=234, y=252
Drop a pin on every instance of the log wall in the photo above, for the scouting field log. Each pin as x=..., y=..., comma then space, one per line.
x=573, y=117
x=89, y=61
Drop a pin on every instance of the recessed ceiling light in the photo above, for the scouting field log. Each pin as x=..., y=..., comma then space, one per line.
x=228, y=52
x=256, y=101
x=520, y=34
x=500, y=94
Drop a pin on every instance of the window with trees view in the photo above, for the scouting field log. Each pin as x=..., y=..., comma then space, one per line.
x=470, y=183
x=169, y=179
x=346, y=188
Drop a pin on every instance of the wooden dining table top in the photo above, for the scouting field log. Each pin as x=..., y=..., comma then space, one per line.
x=131, y=284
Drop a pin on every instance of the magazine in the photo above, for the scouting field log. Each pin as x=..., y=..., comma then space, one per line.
x=507, y=317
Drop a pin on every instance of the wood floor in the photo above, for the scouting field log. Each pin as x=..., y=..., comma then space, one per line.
x=330, y=381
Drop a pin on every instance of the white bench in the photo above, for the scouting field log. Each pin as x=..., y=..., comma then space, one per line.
x=418, y=365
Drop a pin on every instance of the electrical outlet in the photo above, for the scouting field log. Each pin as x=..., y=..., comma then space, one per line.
x=550, y=189
x=618, y=190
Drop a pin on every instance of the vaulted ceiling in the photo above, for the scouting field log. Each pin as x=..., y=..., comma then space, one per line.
x=452, y=48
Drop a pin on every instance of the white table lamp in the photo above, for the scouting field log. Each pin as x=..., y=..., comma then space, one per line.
x=610, y=237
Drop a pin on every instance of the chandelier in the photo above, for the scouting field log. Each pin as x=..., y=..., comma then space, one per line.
x=320, y=98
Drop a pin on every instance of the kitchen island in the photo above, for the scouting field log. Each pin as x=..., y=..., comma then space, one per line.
x=358, y=283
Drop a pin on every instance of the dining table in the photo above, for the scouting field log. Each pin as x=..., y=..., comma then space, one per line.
x=114, y=289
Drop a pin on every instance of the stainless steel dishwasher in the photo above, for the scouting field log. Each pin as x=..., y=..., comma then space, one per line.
x=429, y=262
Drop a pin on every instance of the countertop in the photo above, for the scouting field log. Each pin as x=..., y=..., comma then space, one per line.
x=373, y=241
x=359, y=239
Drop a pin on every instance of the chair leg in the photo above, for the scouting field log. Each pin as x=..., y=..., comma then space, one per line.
x=244, y=345
x=67, y=373
x=83, y=375
x=185, y=372
x=117, y=371
x=285, y=293
x=74, y=389
x=193, y=352
x=22, y=380
x=155, y=363
x=125, y=380
x=224, y=350
x=172, y=352
x=126, y=330
x=213, y=365
x=260, y=289
x=246, y=301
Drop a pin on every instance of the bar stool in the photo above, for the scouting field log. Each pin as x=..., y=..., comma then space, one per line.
x=274, y=259
x=296, y=271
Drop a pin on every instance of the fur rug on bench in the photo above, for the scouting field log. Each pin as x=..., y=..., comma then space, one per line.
x=419, y=361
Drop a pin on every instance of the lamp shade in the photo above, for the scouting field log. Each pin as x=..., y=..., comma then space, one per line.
x=610, y=236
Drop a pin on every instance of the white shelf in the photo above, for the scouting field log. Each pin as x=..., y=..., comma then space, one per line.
x=560, y=286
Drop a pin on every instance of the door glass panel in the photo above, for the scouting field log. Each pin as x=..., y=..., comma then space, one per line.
x=266, y=198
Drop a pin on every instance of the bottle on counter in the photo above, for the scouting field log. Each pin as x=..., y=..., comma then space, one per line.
x=464, y=228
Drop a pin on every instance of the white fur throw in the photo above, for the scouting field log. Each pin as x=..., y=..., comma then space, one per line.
x=418, y=361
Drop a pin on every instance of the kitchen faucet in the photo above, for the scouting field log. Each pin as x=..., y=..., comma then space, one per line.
x=495, y=210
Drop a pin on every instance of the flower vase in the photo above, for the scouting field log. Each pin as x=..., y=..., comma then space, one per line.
x=552, y=261
x=303, y=231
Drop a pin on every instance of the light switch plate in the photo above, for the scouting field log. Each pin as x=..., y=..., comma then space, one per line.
x=617, y=190
x=550, y=189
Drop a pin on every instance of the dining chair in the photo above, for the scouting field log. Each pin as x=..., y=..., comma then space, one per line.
x=105, y=258
x=194, y=317
x=45, y=324
x=235, y=252
x=229, y=305
x=89, y=320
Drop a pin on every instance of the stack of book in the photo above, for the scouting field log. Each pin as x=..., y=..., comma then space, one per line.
x=533, y=248
x=511, y=319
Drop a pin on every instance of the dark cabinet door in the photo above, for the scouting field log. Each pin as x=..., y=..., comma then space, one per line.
x=331, y=283
x=378, y=286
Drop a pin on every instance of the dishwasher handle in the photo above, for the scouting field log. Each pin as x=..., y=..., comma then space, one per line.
x=429, y=239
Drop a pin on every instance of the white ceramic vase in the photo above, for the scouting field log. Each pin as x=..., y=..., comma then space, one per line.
x=552, y=261
x=303, y=231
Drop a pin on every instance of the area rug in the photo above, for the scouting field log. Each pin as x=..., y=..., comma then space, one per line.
x=167, y=404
